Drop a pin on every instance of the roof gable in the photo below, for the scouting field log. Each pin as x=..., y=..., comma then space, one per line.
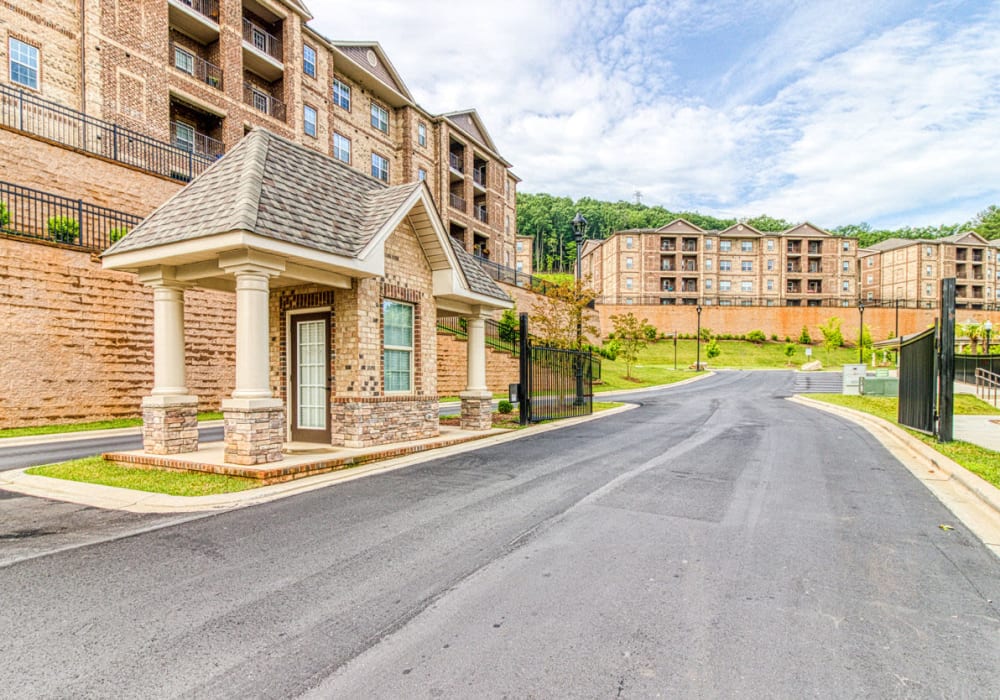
x=806, y=229
x=740, y=231
x=680, y=226
x=966, y=238
x=369, y=57
x=469, y=122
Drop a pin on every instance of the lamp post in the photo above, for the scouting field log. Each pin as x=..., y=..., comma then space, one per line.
x=697, y=357
x=861, y=335
x=988, y=328
x=579, y=226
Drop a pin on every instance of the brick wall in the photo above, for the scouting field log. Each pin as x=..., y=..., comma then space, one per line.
x=452, y=363
x=77, y=342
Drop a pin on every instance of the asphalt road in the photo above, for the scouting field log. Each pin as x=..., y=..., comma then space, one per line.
x=717, y=541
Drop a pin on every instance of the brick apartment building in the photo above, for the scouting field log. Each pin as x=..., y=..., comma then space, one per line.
x=198, y=74
x=911, y=270
x=682, y=264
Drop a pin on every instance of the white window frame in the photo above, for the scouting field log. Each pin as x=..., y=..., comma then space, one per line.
x=746, y=286
x=746, y=246
x=183, y=60
x=28, y=59
x=421, y=134
x=770, y=244
x=306, y=110
x=421, y=174
x=628, y=241
x=847, y=285
x=629, y=263
x=380, y=117
x=380, y=170
x=409, y=349
x=339, y=150
x=725, y=285
x=342, y=94
x=770, y=265
x=184, y=142
x=746, y=266
x=725, y=246
x=628, y=283
x=725, y=266
x=306, y=62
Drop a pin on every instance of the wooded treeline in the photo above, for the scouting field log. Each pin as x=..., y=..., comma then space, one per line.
x=548, y=220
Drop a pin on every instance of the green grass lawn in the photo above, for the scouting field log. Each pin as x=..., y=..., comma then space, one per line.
x=656, y=362
x=978, y=460
x=95, y=425
x=94, y=470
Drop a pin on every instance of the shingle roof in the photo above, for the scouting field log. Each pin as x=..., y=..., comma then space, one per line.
x=272, y=187
x=479, y=281
x=893, y=243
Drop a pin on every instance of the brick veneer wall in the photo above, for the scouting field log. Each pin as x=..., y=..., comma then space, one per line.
x=452, y=362
x=77, y=343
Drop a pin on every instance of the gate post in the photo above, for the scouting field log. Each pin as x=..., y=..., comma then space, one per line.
x=524, y=370
x=946, y=363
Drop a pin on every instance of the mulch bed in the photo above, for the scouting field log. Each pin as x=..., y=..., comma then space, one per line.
x=500, y=420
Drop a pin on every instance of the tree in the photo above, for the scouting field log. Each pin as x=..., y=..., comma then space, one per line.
x=630, y=332
x=832, y=336
x=508, y=326
x=556, y=314
x=713, y=350
x=789, y=351
x=987, y=222
x=804, y=337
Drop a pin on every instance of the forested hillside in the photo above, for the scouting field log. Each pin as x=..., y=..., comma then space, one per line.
x=549, y=219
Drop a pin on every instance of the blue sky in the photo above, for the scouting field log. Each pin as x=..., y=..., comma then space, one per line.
x=885, y=111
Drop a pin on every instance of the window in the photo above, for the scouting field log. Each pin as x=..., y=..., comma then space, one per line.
x=260, y=101
x=341, y=147
x=847, y=286
x=421, y=174
x=380, y=167
x=520, y=247
x=183, y=60
x=380, y=118
x=746, y=286
x=725, y=285
x=746, y=266
x=870, y=279
x=746, y=246
x=928, y=250
x=927, y=290
x=847, y=266
x=770, y=265
x=421, y=134
x=341, y=95
x=770, y=244
x=520, y=266
x=309, y=120
x=507, y=185
x=23, y=64
x=309, y=60
x=184, y=136
x=725, y=246
x=708, y=264
x=628, y=283
x=708, y=284
x=770, y=285
x=708, y=244
x=628, y=241
x=628, y=263
x=397, y=343
x=506, y=223
x=725, y=266
x=871, y=295
x=928, y=270
x=871, y=261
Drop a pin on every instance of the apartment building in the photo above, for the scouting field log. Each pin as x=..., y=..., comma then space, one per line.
x=681, y=263
x=172, y=84
x=911, y=271
x=524, y=248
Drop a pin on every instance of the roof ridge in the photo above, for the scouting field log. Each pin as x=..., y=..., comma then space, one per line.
x=247, y=205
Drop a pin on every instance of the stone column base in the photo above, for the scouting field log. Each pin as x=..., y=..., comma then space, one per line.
x=477, y=410
x=169, y=424
x=254, y=431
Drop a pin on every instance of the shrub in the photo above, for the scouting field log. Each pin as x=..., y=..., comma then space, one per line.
x=117, y=233
x=756, y=337
x=4, y=215
x=508, y=326
x=788, y=339
x=64, y=229
x=505, y=406
x=610, y=349
x=713, y=350
x=832, y=336
x=706, y=333
x=789, y=351
x=774, y=337
x=650, y=333
x=804, y=338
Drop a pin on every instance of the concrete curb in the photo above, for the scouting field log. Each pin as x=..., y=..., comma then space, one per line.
x=114, y=498
x=659, y=387
x=29, y=440
x=986, y=492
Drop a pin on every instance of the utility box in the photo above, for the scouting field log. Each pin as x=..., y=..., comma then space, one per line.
x=852, y=379
x=879, y=386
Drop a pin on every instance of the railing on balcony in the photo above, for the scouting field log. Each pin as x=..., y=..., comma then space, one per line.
x=667, y=266
x=196, y=66
x=794, y=249
x=479, y=176
x=42, y=216
x=480, y=212
x=262, y=41
x=455, y=161
x=509, y=275
x=456, y=202
x=184, y=136
x=690, y=246
x=208, y=8
x=51, y=121
x=263, y=102
x=815, y=249
x=689, y=267
x=667, y=246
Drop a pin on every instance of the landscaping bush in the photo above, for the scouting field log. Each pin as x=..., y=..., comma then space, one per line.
x=650, y=333
x=609, y=351
x=4, y=215
x=804, y=338
x=706, y=333
x=508, y=326
x=774, y=337
x=713, y=350
x=117, y=233
x=756, y=337
x=789, y=351
x=505, y=406
x=64, y=229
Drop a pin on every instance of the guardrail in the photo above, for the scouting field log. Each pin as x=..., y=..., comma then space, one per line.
x=50, y=120
x=509, y=275
x=988, y=386
x=43, y=216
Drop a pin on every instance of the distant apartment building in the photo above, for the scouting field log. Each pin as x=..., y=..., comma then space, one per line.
x=681, y=263
x=169, y=85
x=910, y=271
x=524, y=249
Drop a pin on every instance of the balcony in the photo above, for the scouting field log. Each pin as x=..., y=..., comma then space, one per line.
x=815, y=248
x=263, y=102
x=185, y=137
x=668, y=245
x=690, y=245
x=198, y=19
x=977, y=255
x=262, y=52
x=815, y=287
x=814, y=266
x=455, y=162
x=961, y=254
x=688, y=266
x=196, y=66
x=793, y=287
x=480, y=213
x=667, y=265
x=479, y=176
x=689, y=286
x=456, y=202
x=794, y=247
x=793, y=268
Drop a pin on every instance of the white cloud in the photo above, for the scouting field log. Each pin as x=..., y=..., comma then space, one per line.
x=839, y=112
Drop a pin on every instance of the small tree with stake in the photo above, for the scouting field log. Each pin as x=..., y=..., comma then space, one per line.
x=631, y=334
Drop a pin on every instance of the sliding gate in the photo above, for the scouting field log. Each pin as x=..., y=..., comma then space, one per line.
x=554, y=383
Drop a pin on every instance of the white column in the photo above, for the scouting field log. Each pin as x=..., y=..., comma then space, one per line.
x=476, y=348
x=169, y=372
x=252, y=356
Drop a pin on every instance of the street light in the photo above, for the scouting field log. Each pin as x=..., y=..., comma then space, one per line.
x=579, y=226
x=988, y=327
x=861, y=335
x=697, y=357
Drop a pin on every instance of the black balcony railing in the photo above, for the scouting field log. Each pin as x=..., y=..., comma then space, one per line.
x=184, y=136
x=509, y=275
x=456, y=202
x=455, y=161
x=263, y=102
x=196, y=66
x=479, y=176
x=263, y=41
x=737, y=300
x=208, y=8
x=43, y=216
x=51, y=121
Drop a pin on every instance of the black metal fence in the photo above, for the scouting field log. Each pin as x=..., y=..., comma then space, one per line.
x=966, y=366
x=40, y=215
x=498, y=337
x=50, y=120
x=560, y=384
x=918, y=381
x=509, y=275
x=828, y=302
